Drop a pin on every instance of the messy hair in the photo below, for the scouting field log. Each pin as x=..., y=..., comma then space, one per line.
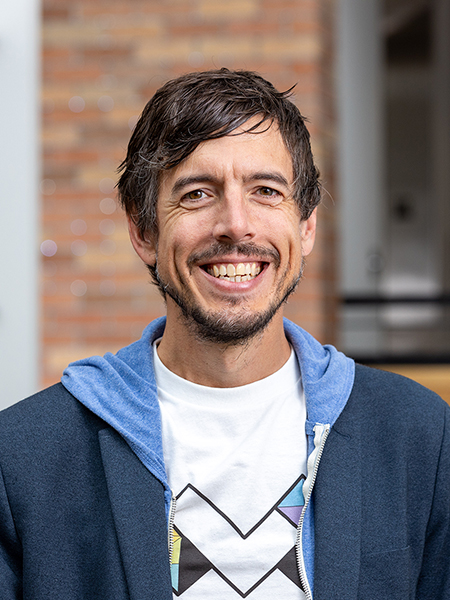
x=203, y=106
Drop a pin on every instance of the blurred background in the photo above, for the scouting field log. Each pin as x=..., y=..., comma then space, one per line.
x=372, y=78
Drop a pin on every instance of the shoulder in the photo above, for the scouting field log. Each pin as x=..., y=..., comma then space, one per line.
x=382, y=391
x=46, y=420
x=397, y=415
x=50, y=455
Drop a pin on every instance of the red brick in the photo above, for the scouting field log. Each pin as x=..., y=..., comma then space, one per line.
x=79, y=146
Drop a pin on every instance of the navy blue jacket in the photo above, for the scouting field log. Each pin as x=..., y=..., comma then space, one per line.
x=82, y=518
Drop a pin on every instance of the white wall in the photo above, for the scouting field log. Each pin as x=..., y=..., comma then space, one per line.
x=19, y=172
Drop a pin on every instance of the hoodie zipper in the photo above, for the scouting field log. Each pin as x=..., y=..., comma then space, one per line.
x=173, y=506
x=320, y=437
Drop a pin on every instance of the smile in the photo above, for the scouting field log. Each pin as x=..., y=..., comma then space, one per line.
x=232, y=272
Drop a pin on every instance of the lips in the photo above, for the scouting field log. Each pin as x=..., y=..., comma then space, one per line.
x=234, y=272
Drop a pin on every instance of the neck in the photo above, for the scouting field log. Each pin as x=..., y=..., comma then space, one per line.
x=219, y=365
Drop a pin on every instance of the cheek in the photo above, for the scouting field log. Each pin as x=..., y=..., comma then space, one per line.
x=191, y=233
x=286, y=234
x=175, y=247
x=293, y=249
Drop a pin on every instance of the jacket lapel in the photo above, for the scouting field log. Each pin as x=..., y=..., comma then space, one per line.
x=337, y=514
x=137, y=501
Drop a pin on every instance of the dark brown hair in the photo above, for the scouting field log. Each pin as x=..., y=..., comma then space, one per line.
x=202, y=106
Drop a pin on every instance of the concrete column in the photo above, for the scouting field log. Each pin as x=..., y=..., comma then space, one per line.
x=441, y=133
x=360, y=148
x=19, y=124
x=360, y=143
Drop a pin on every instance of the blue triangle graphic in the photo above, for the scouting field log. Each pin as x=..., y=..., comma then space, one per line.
x=295, y=497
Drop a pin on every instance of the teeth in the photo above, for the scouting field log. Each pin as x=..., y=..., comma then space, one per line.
x=231, y=272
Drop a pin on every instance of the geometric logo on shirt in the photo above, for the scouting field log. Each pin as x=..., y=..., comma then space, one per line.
x=189, y=564
x=291, y=506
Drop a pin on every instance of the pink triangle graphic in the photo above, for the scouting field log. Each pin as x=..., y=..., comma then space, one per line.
x=292, y=512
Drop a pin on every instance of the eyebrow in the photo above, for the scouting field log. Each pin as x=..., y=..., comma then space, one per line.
x=267, y=176
x=183, y=182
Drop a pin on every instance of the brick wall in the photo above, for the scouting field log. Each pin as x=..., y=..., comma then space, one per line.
x=102, y=60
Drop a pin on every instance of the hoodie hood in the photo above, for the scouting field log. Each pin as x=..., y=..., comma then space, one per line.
x=327, y=375
x=120, y=389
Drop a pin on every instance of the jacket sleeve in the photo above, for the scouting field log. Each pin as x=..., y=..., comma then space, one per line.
x=10, y=551
x=434, y=579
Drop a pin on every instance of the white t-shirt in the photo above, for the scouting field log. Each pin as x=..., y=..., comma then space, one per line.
x=236, y=462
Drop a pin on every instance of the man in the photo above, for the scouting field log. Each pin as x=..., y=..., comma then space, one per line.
x=226, y=454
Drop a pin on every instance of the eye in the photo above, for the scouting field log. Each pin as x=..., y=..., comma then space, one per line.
x=195, y=199
x=267, y=191
x=194, y=195
x=268, y=195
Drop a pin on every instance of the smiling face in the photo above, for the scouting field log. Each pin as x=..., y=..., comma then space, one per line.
x=231, y=240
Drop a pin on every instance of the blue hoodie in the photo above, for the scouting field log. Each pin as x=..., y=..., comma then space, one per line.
x=121, y=389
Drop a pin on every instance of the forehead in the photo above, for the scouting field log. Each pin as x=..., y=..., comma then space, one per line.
x=239, y=155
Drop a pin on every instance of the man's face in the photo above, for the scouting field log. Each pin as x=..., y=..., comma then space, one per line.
x=231, y=241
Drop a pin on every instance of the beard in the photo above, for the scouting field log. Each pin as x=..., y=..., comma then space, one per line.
x=235, y=324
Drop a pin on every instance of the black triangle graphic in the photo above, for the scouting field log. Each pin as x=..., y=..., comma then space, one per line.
x=193, y=565
x=288, y=566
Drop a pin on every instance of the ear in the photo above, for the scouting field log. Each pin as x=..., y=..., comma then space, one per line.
x=308, y=232
x=145, y=248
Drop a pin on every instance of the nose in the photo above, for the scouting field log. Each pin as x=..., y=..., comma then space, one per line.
x=233, y=223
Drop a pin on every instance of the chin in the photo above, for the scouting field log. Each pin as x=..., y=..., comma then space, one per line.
x=226, y=327
x=232, y=325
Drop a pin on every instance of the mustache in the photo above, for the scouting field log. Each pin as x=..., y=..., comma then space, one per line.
x=220, y=249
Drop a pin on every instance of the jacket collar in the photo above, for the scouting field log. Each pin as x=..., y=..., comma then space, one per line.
x=137, y=502
x=337, y=509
